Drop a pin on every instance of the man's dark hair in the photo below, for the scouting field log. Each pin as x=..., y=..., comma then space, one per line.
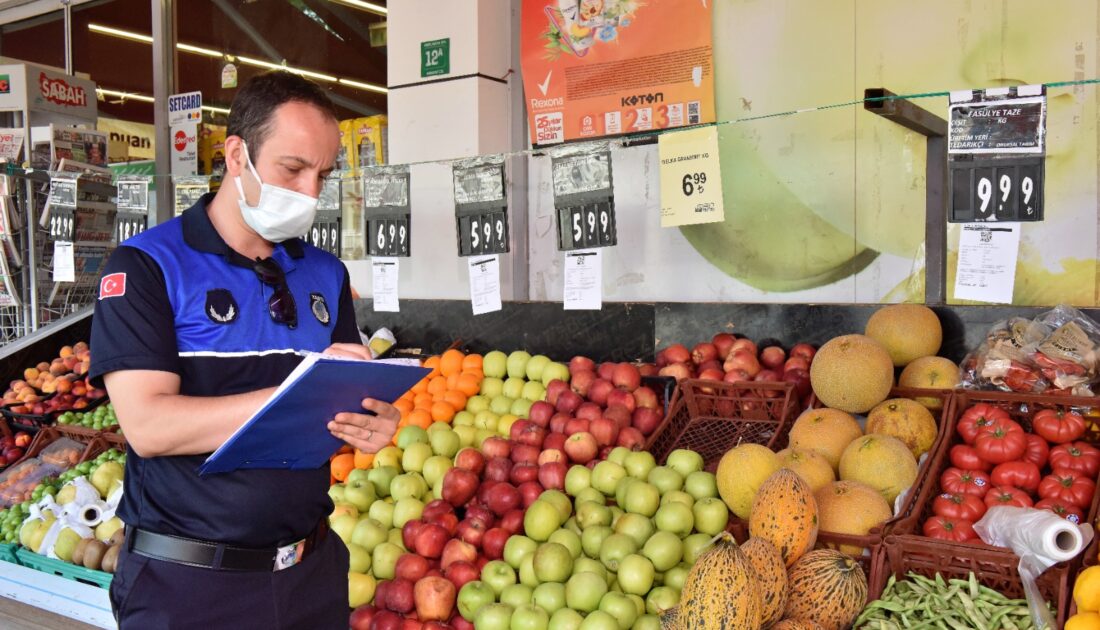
x=254, y=106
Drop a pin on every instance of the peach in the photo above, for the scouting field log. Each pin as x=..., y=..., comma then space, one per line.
x=31, y=373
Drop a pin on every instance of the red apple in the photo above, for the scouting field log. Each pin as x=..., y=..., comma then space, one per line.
x=568, y=401
x=495, y=447
x=576, y=425
x=493, y=546
x=626, y=376
x=557, y=423
x=606, y=370
x=736, y=376
x=460, y=484
x=449, y=522
x=529, y=491
x=647, y=369
x=677, y=353
x=678, y=371
x=470, y=459
x=605, y=430
x=430, y=540
x=646, y=397
x=472, y=530
x=804, y=350
x=527, y=432
x=386, y=619
x=498, y=468
x=742, y=360
x=458, y=622
x=409, y=623
x=380, y=593
x=622, y=397
x=436, y=625
x=621, y=415
x=581, y=447
x=525, y=453
x=554, y=440
x=796, y=363
x=646, y=420
x=589, y=411
x=550, y=455
x=480, y=512
x=540, y=413
x=552, y=475
x=661, y=359
x=599, y=391
x=435, y=598
x=459, y=573
x=579, y=382
x=604, y=452
x=503, y=499
x=773, y=357
x=768, y=375
x=512, y=521
x=722, y=344
x=485, y=491
x=631, y=438
x=435, y=509
x=458, y=550
x=400, y=597
x=711, y=375
x=703, y=352
x=801, y=380
x=743, y=343
x=409, y=532
x=361, y=617
x=554, y=389
x=581, y=364
x=713, y=364
x=411, y=566
x=522, y=473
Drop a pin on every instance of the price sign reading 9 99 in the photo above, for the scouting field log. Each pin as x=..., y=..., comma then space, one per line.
x=584, y=201
x=997, y=190
x=481, y=208
x=386, y=201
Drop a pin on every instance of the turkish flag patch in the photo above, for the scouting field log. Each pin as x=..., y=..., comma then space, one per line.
x=113, y=285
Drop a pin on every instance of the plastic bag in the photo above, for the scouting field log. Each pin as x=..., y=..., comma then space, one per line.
x=1041, y=539
x=1068, y=355
x=1003, y=360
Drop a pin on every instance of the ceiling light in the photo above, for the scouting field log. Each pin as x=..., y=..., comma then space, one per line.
x=117, y=32
x=275, y=66
x=364, y=86
x=366, y=6
x=144, y=98
x=199, y=50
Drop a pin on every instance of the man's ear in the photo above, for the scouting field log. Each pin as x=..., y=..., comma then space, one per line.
x=235, y=161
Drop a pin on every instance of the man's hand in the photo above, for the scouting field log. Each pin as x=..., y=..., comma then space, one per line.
x=367, y=433
x=349, y=351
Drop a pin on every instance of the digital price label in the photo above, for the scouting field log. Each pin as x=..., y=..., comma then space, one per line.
x=481, y=207
x=584, y=200
x=387, y=210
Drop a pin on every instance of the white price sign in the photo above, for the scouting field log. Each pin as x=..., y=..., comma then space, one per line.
x=691, y=177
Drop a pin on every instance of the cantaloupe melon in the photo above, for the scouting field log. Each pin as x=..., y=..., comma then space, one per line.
x=827, y=587
x=814, y=469
x=852, y=373
x=785, y=514
x=930, y=373
x=907, y=331
x=885, y=463
x=850, y=507
x=741, y=472
x=771, y=578
x=907, y=420
x=826, y=432
x=720, y=590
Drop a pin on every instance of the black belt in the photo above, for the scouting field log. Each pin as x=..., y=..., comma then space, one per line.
x=220, y=556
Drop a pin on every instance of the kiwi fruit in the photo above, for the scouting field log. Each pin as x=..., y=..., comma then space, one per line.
x=110, y=559
x=78, y=552
x=117, y=538
x=93, y=554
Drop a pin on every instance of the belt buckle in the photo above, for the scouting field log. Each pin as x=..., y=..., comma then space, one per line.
x=289, y=555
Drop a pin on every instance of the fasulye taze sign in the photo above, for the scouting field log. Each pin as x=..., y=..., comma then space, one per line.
x=184, y=108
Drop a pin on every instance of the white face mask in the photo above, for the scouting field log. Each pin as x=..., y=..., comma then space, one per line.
x=281, y=213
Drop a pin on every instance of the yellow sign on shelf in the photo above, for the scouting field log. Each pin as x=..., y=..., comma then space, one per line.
x=691, y=177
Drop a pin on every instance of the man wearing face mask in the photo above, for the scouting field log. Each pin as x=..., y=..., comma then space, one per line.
x=198, y=320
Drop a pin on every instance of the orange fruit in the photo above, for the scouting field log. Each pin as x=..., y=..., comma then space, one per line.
x=342, y=464
x=363, y=460
x=421, y=386
x=478, y=374
x=437, y=385
x=451, y=362
x=456, y=399
x=431, y=362
x=422, y=418
x=404, y=405
x=442, y=412
x=468, y=384
x=452, y=381
x=471, y=362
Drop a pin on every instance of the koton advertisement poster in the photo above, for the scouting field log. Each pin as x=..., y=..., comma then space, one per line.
x=606, y=67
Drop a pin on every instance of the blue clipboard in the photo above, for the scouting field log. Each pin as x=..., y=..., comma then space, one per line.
x=291, y=430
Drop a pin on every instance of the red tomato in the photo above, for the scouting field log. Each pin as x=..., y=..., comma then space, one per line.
x=1069, y=512
x=978, y=416
x=967, y=507
x=958, y=481
x=1007, y=496
x=1001, y=443
x=943, y=528
x=1068, y=487
x=965, y=457
x=1078, y=457
x=1021, y=474
x=1058, y=427
x=1037, y=452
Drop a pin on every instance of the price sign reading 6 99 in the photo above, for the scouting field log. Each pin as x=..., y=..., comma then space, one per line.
x=694, y=183
x=386, y=201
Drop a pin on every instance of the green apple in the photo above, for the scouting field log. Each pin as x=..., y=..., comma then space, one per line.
x=636, y=574
x=464, y=418
x=361, y=496
x=437, y=466
x=393, y=536
x=490, y=388
x=497, y=574
x=549, y=596
x=516, y=548
x=583, y=591
x=535, y=366
x=621, y=609
x=643, y=498
x=661, y=599
x=521, y=407
x=513, y=387
x=384, y=560
x=577, y=478
x=558, y=499
x=360, y=589
x=438, y=426
x=695, y=545
x=533, y=391
x=472, y=597
x=621, y=489
x=466, y=436
x=382, y=511
x=590, y=565
x=639, y=463
x=387, y=456
x=600, y=620
x=406, y=510
x=639, y=604
x=527, y=571
x=495, y=364
x=565, y=619
x=335, y=491
x=478, y=403
x=487, y=419
x=501, y=405
x=618, y=455
x=517, y=364
x=437, y=489
x=647, y=622
x=530, y=617
x=592, y=539
x=504, y=425
x=541, y=520
x=357, y=477
x=343, y=525
x=359, y=558
x=606, y=476
x=616, y=514
x=482, y=435
x=408, y=485
x=664, y=550
x=412, y=460
x=381, y=477
x=445, y=442
x=638, y=527
x=552, y=562
x=678, y=496
x=337, y=510
x=711, y=515
x=493, y=617
x=615, y=548
x=409, y=435
x=590, y=495
x=555, y=371
x=676, y=518
x=516, y=595
x=684, y=461
x=368, y=534
x=665, y=479
x=701, y=485
x=677, y=575
x=569, y=539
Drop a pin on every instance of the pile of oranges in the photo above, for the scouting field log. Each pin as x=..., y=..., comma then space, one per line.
x=454, y=378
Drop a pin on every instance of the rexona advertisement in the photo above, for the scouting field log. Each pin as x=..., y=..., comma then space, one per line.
x=606, y=67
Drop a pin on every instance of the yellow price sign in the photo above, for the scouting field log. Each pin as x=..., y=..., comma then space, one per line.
x=691, y=177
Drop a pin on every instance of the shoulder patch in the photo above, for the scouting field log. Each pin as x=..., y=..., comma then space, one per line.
x=112, y=285
x=220, y=307
x=319, y=307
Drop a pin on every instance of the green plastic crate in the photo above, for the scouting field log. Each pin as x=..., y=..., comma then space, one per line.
x=7, y=553
x=63, y=569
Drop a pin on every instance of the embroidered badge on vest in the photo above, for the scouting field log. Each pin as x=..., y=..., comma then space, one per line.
x=221, y=308
x=319, y=307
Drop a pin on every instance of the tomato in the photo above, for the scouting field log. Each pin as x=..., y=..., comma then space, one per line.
x=967, y=507
x=1078, y=457
x=958, y=481
x=1021, y=474
x=1068, y=487
x=1071, y=513
x=1007, y=496
x=965, y=457
x=1058, y=427
x=957, y=530
x=1001, y=443
x=978, y=416
x=1037, y=452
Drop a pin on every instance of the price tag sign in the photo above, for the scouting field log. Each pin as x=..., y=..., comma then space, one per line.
x=62, y=191
x=987, y=262
x=133, y=207
x=481, y=208
x=997, y=154
x=187, y=191
x=64, y=262
x=485, y=284
x=583, y=287
x=691, y=177
x=387, y=210
x=584, y=199
x=326, y=233
x=62, y=225
x=384, y=278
